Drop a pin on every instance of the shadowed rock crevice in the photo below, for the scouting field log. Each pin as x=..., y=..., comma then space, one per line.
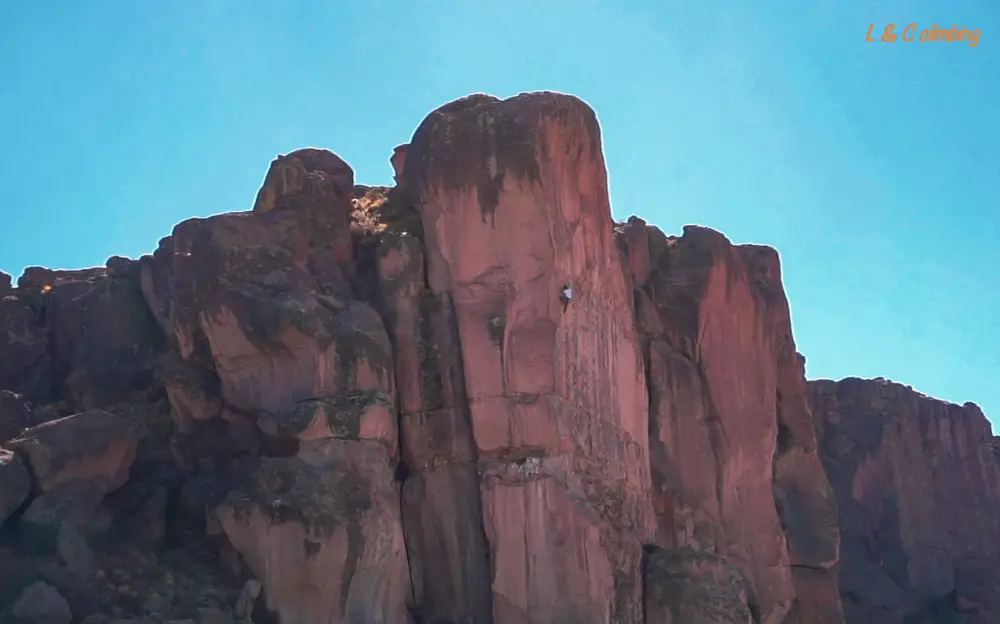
x=442, y=518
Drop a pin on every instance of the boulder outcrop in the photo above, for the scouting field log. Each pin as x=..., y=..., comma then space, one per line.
x=468, y=398
x=918, y=488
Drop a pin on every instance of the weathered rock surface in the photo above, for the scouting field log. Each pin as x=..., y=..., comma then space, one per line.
x=322, y=530
x=685, y=586
x=273, y=352
x=470, y=398
x=556, y=393
x=15, y=483
x=442, y=514
x=75, y=463
x=919, y=494
x=733, y=452
x=82, y=335
x=90, y=446
x=25, y=358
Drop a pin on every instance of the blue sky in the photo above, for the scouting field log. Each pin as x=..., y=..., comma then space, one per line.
x=871, y=167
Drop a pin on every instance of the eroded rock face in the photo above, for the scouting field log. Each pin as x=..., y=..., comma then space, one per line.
x=442, y=514
x=88, y=446
x=513, y=198
x=469, y=398
x=685, y=586
x=85, y=337
x=733, y=452
x=25, y=359
x=919, y=494
x=105, y=341
x=322, y=531
x=75, y=462
x=290, y=379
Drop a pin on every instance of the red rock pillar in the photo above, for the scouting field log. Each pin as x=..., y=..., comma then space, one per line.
x=514, y=202
x=731, y=435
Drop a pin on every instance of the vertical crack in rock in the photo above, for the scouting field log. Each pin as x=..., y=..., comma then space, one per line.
x=442, y=519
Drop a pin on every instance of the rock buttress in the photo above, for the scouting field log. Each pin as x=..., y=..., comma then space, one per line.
x=282, y=385
x=514, y=203
x=733, y=451
x=918, y=488
x=442, y=513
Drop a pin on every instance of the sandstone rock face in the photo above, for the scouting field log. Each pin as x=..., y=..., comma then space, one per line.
x=470, y=398
x=87, y=446
x=25, y=359
x=77, y=341
x=685, y=586
x=442, y=514
x=919, y=493
x=84, y=327
x=323, y=532
x=513, y=198
x=272, y=355
x=75, y=461
x=733, y=452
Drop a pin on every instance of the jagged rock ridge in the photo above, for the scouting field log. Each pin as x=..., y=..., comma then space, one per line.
x=467, y=398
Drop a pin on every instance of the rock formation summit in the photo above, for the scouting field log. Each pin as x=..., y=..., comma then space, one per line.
x=470, y=398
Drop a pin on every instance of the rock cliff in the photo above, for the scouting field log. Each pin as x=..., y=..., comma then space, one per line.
x=918, y=489
x=468, y=398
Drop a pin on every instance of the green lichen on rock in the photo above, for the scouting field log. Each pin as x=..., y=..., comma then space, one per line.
x=431, y=368
x=526, y=398
x=694, y=587
x=321, y=499
x=359, y=334
x=342, y=414
x=263, y=314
